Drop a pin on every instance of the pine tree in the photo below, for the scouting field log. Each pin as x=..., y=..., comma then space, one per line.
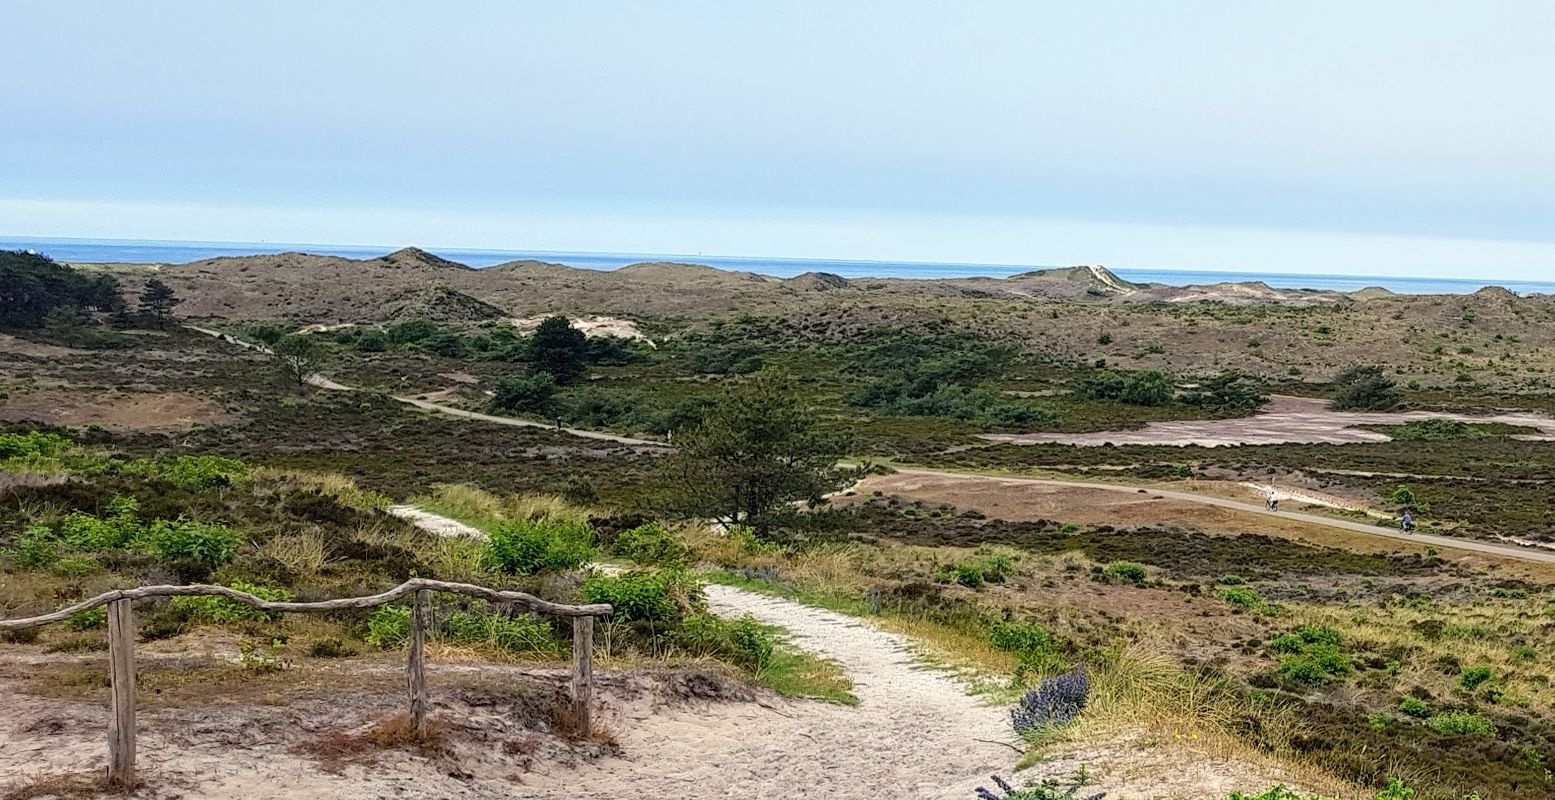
x=157, y=301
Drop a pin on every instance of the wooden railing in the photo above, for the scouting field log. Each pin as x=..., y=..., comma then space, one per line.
x=121, y=646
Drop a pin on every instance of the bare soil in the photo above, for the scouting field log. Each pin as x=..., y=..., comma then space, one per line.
x=1286, y=420
x=115, y=410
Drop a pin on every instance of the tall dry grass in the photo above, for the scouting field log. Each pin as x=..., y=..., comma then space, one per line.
x=343, y=488
x=486, y=510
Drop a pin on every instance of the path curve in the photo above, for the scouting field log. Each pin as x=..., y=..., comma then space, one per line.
x=1527, y=554
x=323, y=382
x=916, y=732
x=1445, y=542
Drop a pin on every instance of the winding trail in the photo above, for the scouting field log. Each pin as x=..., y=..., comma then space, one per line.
x=915, y=732
x=1505, y=551
x=1444, y=542
x=323, y=382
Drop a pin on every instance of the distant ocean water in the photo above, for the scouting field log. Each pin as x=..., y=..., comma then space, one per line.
x=173, y=252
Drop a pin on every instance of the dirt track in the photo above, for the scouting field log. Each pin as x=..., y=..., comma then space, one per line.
x=1286, y=420
x=1006, y=488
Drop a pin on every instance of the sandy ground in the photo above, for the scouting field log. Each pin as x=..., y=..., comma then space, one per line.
x=1124, y=505
x=114, y=410
x=591, y=326
x=1286, y=420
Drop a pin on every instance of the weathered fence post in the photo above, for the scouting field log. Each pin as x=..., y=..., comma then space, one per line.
x=417, y=666
x=583, y=674
x=121, y=682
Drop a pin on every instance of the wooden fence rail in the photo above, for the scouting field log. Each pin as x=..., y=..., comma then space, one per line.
x=121, y=645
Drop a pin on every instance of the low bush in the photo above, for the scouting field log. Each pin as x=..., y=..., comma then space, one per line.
x=388, y=626
x=1474, y=677
x=644, y=596
x=517, y=634
x=1053, y=704
x=743, y=642
x=1312, y=655
x=1460, y=723
x=1414, y=707
x=204, y=546
x=193, y=472
x=32, y=446
x=652, y=545
x=525, y=547
x=220, y=610
x=1126, y=571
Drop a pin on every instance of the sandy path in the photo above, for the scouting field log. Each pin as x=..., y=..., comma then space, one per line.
x=1286, y=420
x=323, y=382
x=915, y=732
x=1443, y=542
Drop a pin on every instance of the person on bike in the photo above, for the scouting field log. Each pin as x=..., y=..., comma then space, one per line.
x=1408, y=523
x=1274, y=500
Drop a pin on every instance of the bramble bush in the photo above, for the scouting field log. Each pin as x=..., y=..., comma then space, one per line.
x=526, y=547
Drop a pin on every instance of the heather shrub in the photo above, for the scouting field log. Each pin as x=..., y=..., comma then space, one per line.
x=1053, y=704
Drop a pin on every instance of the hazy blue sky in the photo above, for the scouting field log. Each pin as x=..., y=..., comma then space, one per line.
x=1371, y=137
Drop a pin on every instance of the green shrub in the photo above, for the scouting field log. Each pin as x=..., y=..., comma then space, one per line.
x=91, y=619
x=1471, y=678
x=220, y=610
x=519, y=634
x=642, y=596
x=89, y=533
x=1315, y=666
x=651, y=544
x=74, y=567
x=34, y=548
x=1414, y=707
x=388, y=626
x=193, y=472
x=1460, y=723
x=1127, y=571
x=966, y=573
x=209, y=546
x=32, y=446
x=527, y=548
x=1232, y=580
x=743, y=642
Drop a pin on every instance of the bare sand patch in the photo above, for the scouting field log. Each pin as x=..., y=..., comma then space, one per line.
x=1286, y=420
x=591, y=326
x=114, y=410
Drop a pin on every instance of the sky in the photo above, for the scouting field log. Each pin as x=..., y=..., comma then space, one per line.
x=1378, y=138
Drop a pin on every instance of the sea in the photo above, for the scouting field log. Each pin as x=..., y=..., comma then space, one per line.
x=143, y=251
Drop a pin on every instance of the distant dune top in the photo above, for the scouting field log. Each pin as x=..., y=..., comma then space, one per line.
x=818, y=282
x=416, y=257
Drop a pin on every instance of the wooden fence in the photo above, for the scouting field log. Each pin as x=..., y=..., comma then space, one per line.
x=121, y=646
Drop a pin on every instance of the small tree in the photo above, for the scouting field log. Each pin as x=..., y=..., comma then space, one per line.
x=754, y=449
x=157, y=301
x=299, y=356
x=1364, y=388
x=531, y=394
x=559, y=349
